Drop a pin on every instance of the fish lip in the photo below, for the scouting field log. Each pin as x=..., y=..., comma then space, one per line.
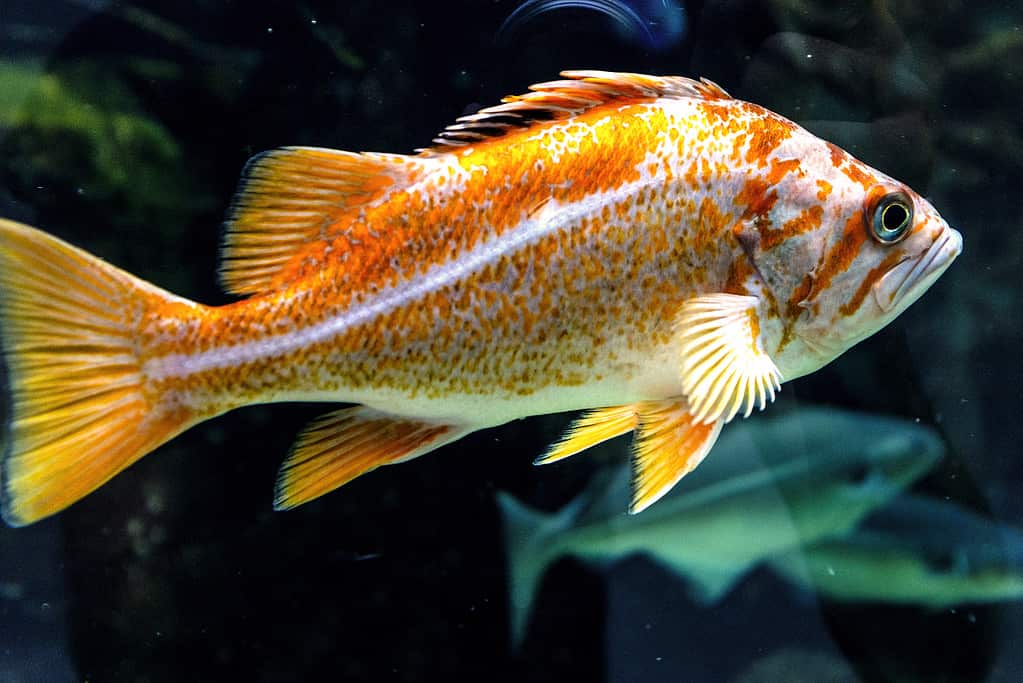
x=910, y=278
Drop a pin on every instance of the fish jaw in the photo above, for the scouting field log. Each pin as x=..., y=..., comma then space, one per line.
x=870, y=294
x=904, y=283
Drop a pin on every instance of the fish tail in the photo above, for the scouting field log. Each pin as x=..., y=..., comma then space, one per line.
x=529, y=550
x=78, y=407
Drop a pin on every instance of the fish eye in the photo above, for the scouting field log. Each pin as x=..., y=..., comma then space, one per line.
x=948, y=562
x=860, y=475
x=891, y=219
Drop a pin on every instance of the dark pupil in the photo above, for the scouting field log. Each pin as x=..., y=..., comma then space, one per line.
x=894, y=216
x=859, y=475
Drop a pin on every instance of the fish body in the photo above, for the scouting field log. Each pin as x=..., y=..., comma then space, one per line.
x=914, y=551
x=648, y=247
x=775, y=485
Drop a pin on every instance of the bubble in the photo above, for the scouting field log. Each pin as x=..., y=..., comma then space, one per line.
x=655, y=24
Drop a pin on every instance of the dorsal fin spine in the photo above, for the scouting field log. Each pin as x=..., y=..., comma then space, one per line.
x=292, y=198
x=577, y=92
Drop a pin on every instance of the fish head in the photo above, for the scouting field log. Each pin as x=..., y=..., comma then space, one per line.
x=895, y=455
x=843, y=249
x=853, y=465
x=858, y=461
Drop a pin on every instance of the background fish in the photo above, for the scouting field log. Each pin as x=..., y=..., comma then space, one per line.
x=914, y=551
x=777, y=484
x=611, y=239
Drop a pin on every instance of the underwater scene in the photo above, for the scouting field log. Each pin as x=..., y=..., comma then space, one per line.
x=279, y=245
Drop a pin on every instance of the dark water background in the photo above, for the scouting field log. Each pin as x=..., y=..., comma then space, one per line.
x=123, y=127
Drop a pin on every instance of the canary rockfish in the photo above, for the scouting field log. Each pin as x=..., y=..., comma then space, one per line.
x=647, y=248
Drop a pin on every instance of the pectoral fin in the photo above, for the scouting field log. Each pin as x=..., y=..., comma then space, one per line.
x=592, y=428
x=725, y=368
x=670, y=443
x=347, y=443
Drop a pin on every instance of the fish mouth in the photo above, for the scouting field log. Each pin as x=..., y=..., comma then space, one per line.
x=907, y=280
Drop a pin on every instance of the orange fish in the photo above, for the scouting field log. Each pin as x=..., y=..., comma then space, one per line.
x=647, y=248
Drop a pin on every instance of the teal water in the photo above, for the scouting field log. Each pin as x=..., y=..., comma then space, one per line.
x=123, y=128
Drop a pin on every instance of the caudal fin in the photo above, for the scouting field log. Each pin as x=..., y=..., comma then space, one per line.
x=531, y=545
x=79, y=409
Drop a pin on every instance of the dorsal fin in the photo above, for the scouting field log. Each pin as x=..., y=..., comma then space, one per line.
x=556, y=100
x=291, y=197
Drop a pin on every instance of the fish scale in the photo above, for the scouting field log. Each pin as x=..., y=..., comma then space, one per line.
x=647, y=247
x=591, y=249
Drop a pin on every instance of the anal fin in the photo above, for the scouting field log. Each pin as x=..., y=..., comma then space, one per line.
x=670, y=443
x=590, y=429
x=347, y=443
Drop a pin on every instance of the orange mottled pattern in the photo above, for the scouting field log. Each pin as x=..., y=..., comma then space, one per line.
x=631, y=207
x=664, y=185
